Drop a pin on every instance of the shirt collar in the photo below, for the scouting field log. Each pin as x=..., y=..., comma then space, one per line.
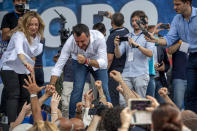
x=133, y=34
x=194, y=12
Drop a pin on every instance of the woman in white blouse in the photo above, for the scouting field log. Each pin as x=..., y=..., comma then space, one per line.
x=18, y=60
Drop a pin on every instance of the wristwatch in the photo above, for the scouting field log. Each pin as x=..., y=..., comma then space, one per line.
x=137, y=46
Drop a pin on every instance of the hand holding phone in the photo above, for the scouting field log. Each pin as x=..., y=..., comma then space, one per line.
x=165, y=26
x=141, y=116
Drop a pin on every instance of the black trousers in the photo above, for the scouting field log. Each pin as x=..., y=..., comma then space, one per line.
x=16, y=95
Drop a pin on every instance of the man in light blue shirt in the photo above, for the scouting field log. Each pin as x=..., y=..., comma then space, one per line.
x=138, y=50
x=184, y=27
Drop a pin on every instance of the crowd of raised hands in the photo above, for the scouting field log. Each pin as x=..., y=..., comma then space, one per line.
x=84, y=119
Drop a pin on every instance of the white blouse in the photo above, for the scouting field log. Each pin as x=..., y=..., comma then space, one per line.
x=19, y=45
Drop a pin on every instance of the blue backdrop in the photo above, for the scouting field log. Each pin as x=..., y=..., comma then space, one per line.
x=82, y=11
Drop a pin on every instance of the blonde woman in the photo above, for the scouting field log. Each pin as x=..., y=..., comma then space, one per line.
x=18, y=60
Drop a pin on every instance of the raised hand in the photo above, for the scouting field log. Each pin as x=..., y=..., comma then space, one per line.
x=55, y=101
x=79, y=106
x=88, y=96
x=154, y=104
x=50, y=89
x=81, y=59
x=116, y=75
x=125, y=116
x=98, y=84
x=26, y=108
x=163, y=92
x=31, y=85
x=119, y=89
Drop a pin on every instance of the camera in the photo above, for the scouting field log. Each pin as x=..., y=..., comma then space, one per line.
x=140, y=22
x=123, y=39
x=165, y=26
x=21, y=8
x=98, y=109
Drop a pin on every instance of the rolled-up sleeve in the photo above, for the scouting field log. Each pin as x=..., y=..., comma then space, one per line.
x=102, y=54
x=172, y=35
x=65, y=53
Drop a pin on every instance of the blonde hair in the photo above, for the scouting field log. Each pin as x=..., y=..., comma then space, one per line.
x=26, y=19
x=44, y=126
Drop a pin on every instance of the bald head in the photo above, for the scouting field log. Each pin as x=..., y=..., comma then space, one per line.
x=64, y=124
x=78, y=124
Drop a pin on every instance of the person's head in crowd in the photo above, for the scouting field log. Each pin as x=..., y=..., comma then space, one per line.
x=100, y=27
x=189, y=119
x=18, y=2
x=22, y=127
x=81, y=35
x=44, y=126
x=111, y=118
x=182, y=6
x=64, y=124
x=136, y=16
x=78, y=124
x=167, y=118
x=32, y=25
x=117, y=20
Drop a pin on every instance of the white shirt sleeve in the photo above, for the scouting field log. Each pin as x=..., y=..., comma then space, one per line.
x=18, y=42
x=65, y=53
x=102, y=53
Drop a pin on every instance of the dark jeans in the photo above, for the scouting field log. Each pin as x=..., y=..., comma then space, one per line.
x=16, y=95
x=158, y=86
x=151, y=86
x=191, y=90
x=114, y=94
x=80, y=73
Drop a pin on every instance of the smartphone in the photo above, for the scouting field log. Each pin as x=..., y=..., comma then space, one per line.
x=97, y=19
x=141, y=116
x=165, y=26
x=123, y=39
x=160, y=64
x=103, y=13
x=139, y=104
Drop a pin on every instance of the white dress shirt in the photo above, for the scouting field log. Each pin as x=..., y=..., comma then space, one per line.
x=95, y=50
x=19, y=45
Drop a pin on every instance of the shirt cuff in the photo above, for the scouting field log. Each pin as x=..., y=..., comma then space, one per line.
x=56, y=72
x=102, y=63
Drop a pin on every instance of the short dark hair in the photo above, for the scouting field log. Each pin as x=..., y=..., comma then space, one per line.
x=118, y=19
x=138, y=13
x=184, y=1
x=14, y=0
x=111, y=118
x=81, y=28
x=100, y=27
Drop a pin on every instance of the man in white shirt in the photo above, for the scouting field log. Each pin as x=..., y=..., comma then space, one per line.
x=88, y=51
